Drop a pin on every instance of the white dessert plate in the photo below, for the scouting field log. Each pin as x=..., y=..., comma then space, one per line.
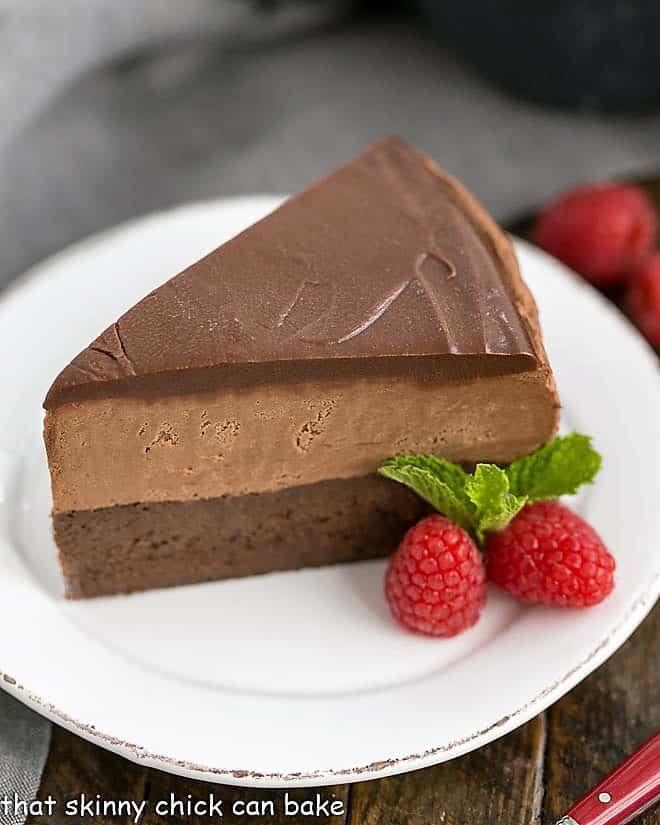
x=300, y=678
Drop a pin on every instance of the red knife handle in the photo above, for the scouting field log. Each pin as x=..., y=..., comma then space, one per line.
x=626, y=792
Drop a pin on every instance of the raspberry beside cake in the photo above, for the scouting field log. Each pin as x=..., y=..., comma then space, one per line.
x=231, y=422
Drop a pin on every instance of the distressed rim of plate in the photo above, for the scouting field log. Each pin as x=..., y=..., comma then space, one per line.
x=386, y=767
x=140, y=755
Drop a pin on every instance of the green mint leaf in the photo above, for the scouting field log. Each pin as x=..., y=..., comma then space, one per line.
x=559, y=468
x=441, y=483
x=495, y=506
x=490, y=497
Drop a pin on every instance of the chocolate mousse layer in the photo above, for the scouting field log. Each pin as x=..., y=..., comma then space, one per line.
x=381, y=311
x=264, y=437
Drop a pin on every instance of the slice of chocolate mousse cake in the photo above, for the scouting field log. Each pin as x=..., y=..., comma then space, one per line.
x=232, y=421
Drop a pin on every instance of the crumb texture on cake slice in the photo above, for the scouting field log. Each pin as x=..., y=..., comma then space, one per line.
x=141, y=546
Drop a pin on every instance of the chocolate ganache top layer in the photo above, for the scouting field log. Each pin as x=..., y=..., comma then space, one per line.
x=385, y=257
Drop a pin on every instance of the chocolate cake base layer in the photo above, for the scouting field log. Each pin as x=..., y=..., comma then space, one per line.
x=142, y=546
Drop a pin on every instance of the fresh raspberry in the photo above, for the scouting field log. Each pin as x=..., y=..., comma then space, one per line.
x=548, y=554
x=435, y=581
x=643, y=299
x=602, y=231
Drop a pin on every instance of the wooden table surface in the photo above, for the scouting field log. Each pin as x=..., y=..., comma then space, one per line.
x=531, y=776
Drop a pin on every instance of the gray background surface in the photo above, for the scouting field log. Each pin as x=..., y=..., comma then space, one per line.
x=108, y=110
x=226, y=106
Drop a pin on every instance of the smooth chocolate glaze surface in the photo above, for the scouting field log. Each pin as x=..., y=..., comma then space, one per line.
x=386, y=257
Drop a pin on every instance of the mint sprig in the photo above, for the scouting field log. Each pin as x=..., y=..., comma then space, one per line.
x=439, y=482
x=559, y=468
x=490, y=497
x=494, y=504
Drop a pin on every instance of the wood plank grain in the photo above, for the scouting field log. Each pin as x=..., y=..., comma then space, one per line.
x=162, y=786
x=500, y=783
x=75, y=766
x=593, y=728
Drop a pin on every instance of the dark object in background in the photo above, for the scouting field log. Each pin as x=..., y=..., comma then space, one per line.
x=592, y=54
